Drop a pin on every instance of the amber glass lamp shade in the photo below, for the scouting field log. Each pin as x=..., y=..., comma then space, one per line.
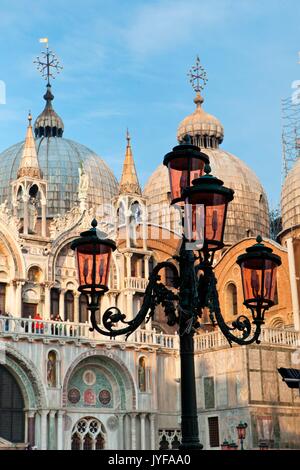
x=184, y=164
x=241, y=430
x=93, y=260
x=205, y=210
x=258, y=269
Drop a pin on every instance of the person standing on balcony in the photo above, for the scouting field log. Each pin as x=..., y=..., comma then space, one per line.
x=38, y=325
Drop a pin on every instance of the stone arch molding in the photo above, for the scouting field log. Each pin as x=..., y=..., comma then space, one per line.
x=13, y=249
x=117, y=363
x=28, y=378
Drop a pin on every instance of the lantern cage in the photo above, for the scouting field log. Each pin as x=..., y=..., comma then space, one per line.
x=184, y=164
x=207, y=201
x=258, y=269
x=93, y=255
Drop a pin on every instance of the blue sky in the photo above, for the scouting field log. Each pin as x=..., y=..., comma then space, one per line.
x=125, y=65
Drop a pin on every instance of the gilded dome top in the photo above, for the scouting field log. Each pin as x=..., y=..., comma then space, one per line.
x=290, y=198
x=205, y=129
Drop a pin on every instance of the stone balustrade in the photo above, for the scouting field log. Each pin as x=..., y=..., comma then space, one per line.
x=135, y=283
x=65, y=330
x=272, y=336
x=24, y=327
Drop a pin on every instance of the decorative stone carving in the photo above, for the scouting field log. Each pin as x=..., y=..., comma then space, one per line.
x=12, y=222
x=83, y=187
x=65, y=222
x=112, y=423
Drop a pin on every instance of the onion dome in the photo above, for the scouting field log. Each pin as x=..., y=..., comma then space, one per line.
x=204, y=129
x=48, y=123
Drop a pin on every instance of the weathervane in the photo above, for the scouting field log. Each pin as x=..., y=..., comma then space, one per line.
x=47, y=64
x=198, y=77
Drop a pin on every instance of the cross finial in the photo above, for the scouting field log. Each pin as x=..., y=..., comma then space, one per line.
x=198, y=77
x=48, y=64
x=128, y=137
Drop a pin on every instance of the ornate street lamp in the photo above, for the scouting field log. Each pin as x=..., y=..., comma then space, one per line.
x=184, y=164
x=241, y=430
x=207, y=199
x=194, y=277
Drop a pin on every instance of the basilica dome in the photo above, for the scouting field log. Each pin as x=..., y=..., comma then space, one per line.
x=59, y=160
x=248, y=213
x=290, y=198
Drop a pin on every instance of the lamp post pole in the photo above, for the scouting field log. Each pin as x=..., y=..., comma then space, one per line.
x=188, y=299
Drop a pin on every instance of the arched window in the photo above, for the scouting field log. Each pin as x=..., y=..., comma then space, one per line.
x=88, y=434
x=151, y=264
x=69, y=306
x=54, y=301
x=51, y=369
x=170, y=277
x=83, y=310
x=12, y=424
x=2, y=297
x=142, y=374
x=231, y=299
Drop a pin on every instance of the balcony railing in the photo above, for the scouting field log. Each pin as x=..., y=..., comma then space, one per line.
x=272, y=336
x=68, y=331
x=136, y=283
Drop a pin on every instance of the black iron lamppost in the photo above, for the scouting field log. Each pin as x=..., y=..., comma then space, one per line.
x=241, y=430
x=204, y=204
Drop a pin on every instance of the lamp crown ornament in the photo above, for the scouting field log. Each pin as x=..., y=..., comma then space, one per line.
x=198, y=76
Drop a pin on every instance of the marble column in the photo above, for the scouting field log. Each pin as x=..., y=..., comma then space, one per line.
x=143, y=431
x=18, y=299
x=47, y=312
x=43, y=429
x=30, y=415
x=60, y=431
x=129, y=304
x=146, y=266
x=121, y=432
x=25, y=215
x=293, y=283
x=76, y=306
x=128, y=257
x=43, y=204
x=62, y=304
x=51, y=433
x=133, y=431
x=152, y=431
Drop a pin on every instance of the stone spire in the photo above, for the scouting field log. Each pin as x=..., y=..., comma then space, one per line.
x=29, y=164
x=129, y=181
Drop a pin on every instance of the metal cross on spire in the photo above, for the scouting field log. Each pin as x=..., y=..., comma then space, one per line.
x=198, y=77
x=47, y=64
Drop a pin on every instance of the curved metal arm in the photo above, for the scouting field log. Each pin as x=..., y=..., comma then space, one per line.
x=242, y=323
x=156, y=293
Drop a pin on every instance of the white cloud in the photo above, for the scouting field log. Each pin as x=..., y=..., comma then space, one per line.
x=163, y=24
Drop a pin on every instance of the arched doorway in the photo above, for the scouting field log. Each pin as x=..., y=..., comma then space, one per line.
x=88, y=434
x=12, y=418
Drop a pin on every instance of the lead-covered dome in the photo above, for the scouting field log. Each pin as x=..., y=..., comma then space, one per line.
x=59, y=160
x=248, y=213
x=290, y=198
